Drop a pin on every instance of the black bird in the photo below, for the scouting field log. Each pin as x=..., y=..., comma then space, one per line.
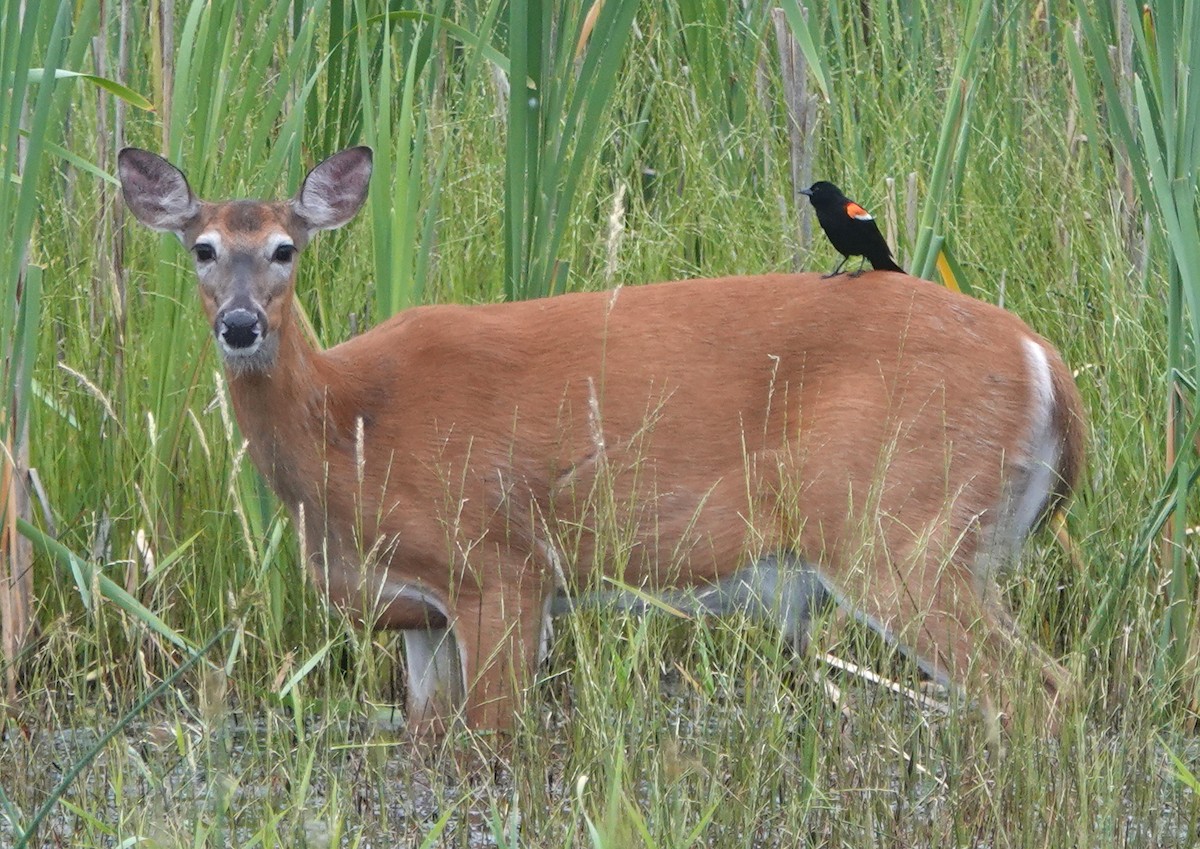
x=850, y=228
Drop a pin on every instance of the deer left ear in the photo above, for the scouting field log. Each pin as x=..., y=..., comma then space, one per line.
x=156, y=192
x=335, y=190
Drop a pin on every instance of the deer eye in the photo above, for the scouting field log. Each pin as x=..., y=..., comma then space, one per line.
x=284, y=253
x=204, y=252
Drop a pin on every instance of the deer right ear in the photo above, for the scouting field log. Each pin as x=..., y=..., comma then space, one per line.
x=335, y=190
x=156, y=192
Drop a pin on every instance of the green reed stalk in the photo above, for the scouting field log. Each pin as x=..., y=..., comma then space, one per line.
x=962, y=87
x=554, y=111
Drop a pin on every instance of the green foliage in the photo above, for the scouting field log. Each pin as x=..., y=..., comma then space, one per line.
x=561, y=80
x=27, y=831
x=37, y=35
x=1153, y=118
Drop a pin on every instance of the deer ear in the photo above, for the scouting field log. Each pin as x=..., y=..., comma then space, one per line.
x=156, y=191
x=335, y=190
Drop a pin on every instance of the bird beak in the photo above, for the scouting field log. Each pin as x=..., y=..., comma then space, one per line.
x=806, y=192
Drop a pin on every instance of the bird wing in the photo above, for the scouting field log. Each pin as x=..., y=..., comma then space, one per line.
x=856, y=211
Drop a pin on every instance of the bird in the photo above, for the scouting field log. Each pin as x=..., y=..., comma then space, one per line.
x=850, y=228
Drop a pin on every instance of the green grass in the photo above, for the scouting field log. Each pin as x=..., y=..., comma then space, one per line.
x=705, y=734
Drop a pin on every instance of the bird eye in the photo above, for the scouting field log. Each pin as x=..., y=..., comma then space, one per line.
x=284, y=253
x=204, y=252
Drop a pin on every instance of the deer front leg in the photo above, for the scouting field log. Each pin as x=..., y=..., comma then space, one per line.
x=499, y=634
x=435, y=681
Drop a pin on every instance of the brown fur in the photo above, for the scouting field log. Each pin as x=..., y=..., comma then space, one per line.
x=479, y=437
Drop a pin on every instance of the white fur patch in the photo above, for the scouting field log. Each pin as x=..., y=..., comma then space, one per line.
x=210, y=237
x=274, y=241
x=1041, y=444
x=316, y=208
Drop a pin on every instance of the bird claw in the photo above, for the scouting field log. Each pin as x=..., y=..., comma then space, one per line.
x=833, y=274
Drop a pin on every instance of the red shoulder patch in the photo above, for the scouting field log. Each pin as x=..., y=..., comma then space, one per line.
x=856, y=211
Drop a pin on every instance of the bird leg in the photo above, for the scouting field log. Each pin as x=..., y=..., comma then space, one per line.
x=837, y=270
x=861, y=263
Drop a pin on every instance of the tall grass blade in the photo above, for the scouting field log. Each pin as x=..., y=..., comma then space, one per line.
x=816, y=60
x=88, y=575
x=133, y=98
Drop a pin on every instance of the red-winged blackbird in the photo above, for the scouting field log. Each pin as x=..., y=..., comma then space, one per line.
x=850, y=228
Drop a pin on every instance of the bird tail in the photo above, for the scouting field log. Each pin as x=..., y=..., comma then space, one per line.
x=885, y=263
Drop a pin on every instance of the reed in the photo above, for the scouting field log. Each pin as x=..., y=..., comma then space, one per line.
x=1152, y=119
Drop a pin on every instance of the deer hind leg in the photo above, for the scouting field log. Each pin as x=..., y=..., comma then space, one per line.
x=951, y=617
x=1005, y=636
x=1008, y=641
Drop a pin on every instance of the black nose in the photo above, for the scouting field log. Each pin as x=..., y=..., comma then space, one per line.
x=239, y=328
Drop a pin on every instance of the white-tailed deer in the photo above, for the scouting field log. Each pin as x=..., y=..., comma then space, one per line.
x=457, y=466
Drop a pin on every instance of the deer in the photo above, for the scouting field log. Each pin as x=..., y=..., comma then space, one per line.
x=777, y=441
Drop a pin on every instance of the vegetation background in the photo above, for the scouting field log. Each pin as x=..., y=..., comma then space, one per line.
x=171, y=678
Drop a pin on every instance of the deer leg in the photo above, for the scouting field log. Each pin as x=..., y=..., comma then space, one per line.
x=499, y=635
x=1006, y=641
x=962, y=630
x=435, y=681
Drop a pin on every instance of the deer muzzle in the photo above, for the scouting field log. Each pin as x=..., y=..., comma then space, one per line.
x=240, y=331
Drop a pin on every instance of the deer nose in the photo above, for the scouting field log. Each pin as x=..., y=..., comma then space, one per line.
x=240, y=328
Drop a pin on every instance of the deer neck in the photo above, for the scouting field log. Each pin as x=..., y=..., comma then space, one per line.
x=296, y=417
